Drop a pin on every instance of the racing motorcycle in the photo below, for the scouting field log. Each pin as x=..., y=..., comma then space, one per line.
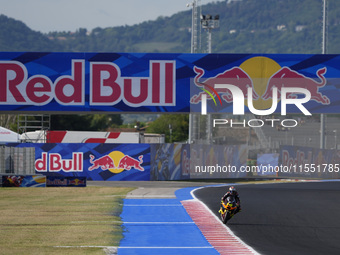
x=228, y=209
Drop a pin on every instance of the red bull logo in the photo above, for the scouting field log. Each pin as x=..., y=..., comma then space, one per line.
x=260, y=83
x=107, y=86
x=288, y=78
x=77, y=182
x=234, y=75
x=116, y=162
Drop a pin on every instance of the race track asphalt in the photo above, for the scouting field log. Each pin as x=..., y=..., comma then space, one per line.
x=284, y=218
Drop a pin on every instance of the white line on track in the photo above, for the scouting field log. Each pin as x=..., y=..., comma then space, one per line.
x=86, y=246
x=148, y=223
x=150, y=196
x=137, y=247
x=160, y=223
x=140, y=205
x=167, y=247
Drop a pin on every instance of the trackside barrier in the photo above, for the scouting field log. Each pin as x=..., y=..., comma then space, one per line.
x=160, y=162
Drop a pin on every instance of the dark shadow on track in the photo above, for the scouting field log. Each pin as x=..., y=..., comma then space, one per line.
x=284, y=218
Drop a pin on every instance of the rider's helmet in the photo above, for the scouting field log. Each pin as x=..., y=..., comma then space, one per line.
x=232, y=190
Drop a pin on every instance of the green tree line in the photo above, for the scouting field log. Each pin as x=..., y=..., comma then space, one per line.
x=248, y=26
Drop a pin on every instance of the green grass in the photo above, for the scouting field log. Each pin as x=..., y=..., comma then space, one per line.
x=38, y=220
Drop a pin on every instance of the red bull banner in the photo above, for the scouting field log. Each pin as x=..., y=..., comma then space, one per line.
x=197, y=161
x=23, y=181
x=161, y=82
x=57, y=181
x=218, y=161
x=86, y=82
x=75, y=162
x=170, y=162
x=309, y=162
x=266, y=84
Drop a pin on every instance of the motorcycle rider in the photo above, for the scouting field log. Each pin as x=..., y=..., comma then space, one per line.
x=233, y=193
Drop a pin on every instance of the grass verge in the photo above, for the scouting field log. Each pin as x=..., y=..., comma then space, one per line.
x=38, y=220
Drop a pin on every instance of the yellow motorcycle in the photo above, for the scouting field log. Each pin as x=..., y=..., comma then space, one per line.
x=228, y=209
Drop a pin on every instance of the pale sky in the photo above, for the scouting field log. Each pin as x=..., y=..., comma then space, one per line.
x=69, y=15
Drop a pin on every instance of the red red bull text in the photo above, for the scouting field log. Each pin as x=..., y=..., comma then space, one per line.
x=53, y=162
x=300, y=159
x=107, y=86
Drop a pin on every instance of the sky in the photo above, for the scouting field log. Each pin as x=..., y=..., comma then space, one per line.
x=69, y=15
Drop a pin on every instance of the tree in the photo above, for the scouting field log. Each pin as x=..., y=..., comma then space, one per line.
x=179, y=125
x=8, y=121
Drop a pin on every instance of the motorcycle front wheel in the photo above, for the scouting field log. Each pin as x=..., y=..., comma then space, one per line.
x=225, y=217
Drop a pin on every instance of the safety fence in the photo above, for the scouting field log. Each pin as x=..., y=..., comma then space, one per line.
x=17, y=160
